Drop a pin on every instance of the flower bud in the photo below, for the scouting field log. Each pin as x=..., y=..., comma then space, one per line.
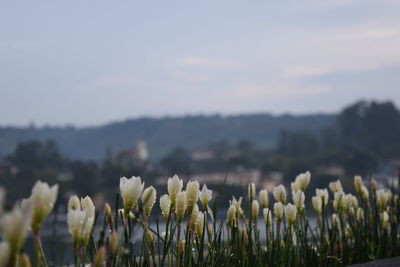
x=290, y=213
x=107, y=210
x=131, y=189
x=263, y=195
x=113, y=242
x=80, y=221
x=237, y=204
x=148, y=199
x=251, y=191
x=364, y=193
x=336, y=186
x=324, y=195
x=205, y=196
x=200, y=225
x=360, y=214
x=100, y=257
x=267, y=216
x=358, y=183
x=180, y=205
x=165, y=205
x=255, y=209
x=317, y=204
x=231, y=215
x=298, y=199
x=279, y=193
x=278, y=210
x=175, y=186
x=192, y=194
x=193, y=217
x=385, y=220
x=382, y=197
x=373, y=185
x=245, y=237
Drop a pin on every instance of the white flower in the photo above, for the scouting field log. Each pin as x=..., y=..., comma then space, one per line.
x=5, y=252
x=80, y=219
x=131, y=189
x=298, y=199
x=205, y=196
x=335, y=220
x=15, y=225
x=165, y=205
x=301, y=182
x=180, y=205
x=255, y=209
x=360, y=214
x=336, y=186
x=278, y=210
x=237, y=204
x=193, y=217
x=290, y=212
x=385, y=220
x=148, y=199
x=251, y=191
x=364, y=193
x=279, y=193
x=317, y=204
x=382, y=197
x=263, y=195
x=200, y=224
x=175, y=186
x=324, y=195
x=358, y=183
x=267, y=214
x=42, y=200
x=192, y=194
x=231, y=215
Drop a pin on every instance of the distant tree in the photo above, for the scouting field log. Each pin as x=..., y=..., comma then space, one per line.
x=177, y=162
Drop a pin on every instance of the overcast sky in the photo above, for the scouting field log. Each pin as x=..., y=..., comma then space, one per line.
x=91, y=62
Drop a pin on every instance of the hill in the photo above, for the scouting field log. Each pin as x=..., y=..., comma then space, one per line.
x=164, y=134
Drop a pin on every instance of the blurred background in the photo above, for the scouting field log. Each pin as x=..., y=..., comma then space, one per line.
x=223, y=92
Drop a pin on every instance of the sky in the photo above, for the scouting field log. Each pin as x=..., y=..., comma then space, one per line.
x=92, y=62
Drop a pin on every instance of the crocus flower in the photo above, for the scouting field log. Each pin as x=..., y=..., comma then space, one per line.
x=131, y=189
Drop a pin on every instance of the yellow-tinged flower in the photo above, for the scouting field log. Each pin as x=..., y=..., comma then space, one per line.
x=360, y=214
x=290, y=212
x=263, y=195
x=251, y=191
x=358, y=183
x=192, y=194
x=131, y=189
x=255, y=209
x=382, y=197
x=336, y=186
x=301, y=182
x=165, y=205
x=364, y=193
x=317, y=204
x=231, y=215
x=279, y=193
x=15, y=225
x=5, y=253
x=175, y=186
x=205, y=196
x=42, y=200
x=200, y=224
x=267, y=214
x=180, y=205
x=278, y=210
x=193, y=217
x=148, y=199
x=385, y=220
x=324, y=195
x=298, y=199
